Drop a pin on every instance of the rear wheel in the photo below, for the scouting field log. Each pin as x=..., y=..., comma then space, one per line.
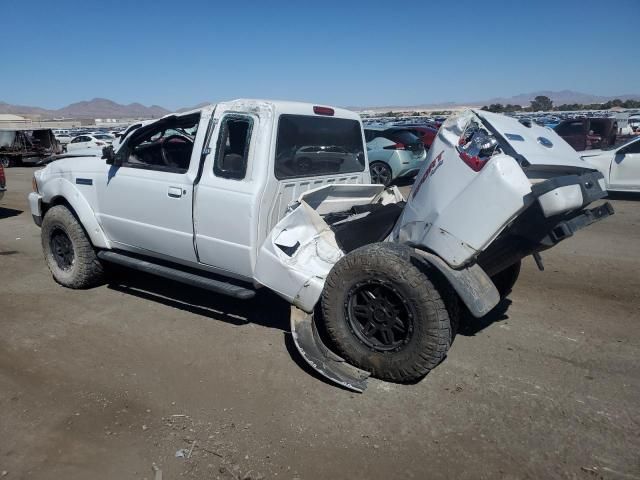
x=380, y=173
x=384, y=315
x=6, y=162
x=68, y=251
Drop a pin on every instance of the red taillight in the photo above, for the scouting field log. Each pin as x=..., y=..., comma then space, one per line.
x=2, y=177
x=323, y=111
x=397, y=146
x=474, y=162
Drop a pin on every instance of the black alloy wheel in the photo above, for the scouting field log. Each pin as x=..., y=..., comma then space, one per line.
x=379, y=316
x=62, y=249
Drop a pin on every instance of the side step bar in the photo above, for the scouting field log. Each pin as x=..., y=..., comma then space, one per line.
x=192, y=279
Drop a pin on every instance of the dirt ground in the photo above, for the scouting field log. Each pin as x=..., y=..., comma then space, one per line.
x=110, y=382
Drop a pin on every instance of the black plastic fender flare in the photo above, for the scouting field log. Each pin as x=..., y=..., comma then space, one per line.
x=474, y=287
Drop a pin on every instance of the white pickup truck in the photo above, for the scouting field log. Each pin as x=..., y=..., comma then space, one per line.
x=248, y=194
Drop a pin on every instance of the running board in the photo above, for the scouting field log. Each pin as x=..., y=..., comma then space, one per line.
x=320, y=358
x=192, y=279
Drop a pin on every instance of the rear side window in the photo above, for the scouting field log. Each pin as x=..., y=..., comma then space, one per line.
x=571, y=128
x=311, y=146
x=402, y=136
x=233, y=147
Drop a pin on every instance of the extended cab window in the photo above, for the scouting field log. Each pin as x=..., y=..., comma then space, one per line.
x=165, y=145
x=311, y=146
x=232, y=150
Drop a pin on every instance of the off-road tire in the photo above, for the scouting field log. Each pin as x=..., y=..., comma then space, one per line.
x=506, y=279
x=86, y=269
x=431, y=332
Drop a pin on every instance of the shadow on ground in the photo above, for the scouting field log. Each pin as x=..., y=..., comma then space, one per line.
x=9, y=212
x=264, y=309
x=470, y=326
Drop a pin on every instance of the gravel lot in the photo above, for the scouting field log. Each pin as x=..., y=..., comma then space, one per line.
x=107, y=383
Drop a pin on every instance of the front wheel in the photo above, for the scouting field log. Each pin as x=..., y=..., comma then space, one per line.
x=384, y=315
x=6, y=162
x=380, y=173
x=68, y=251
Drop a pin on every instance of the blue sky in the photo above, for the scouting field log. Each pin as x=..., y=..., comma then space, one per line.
x=176, y=54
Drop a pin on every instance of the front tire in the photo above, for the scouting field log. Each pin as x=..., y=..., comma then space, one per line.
x=6, y=162
x=384, y=315
x=68, y=251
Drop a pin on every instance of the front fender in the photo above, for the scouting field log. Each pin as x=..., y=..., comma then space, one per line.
x=63, y=188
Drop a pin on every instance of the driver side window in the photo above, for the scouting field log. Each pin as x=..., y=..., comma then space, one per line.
x=166, y=146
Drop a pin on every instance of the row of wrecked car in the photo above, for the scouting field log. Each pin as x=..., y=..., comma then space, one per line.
x=27, y=146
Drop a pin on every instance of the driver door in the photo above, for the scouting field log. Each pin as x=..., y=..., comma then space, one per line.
x=145, y=205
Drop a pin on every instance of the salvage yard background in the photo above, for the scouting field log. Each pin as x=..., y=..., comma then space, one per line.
x=109, y=382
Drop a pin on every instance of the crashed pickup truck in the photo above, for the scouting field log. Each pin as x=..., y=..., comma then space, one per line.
x=18, y=147
x=229, y=198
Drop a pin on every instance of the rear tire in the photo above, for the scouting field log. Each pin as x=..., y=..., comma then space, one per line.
x=506, y=279
x=384, y=315
x=380, y=173
x=68, y=251
x=6, y=162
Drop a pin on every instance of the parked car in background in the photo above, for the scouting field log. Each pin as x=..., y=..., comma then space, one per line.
x=64, y=138
x=3, y=182
x=426, y=133
x=393, y=153
x=83, y=142
x=620, y=166
x=19, y=147
x=588, y=133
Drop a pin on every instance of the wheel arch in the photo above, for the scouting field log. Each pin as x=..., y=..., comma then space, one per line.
x=64, y=193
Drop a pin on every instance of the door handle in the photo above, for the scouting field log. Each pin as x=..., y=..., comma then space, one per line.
x=175, y=192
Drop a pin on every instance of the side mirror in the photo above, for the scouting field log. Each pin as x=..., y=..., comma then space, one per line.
x=108, y=154
x=111, y=157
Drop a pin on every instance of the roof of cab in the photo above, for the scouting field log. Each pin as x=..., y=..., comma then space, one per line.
x=276, y=106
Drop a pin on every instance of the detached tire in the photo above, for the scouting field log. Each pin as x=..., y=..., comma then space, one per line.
x=68, y=251
x=384, y=315
x=506, y=279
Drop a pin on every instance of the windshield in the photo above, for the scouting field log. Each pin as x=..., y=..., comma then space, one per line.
x=103, y=137
x=311, y=146
x=616, y=147
x=6, y=138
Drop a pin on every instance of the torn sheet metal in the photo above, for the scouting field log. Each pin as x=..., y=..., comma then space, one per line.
x=301, y=250
x=320, y=358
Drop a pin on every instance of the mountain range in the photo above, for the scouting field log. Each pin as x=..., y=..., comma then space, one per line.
x=104, y=108
x=96, y=108
x=524, y=99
